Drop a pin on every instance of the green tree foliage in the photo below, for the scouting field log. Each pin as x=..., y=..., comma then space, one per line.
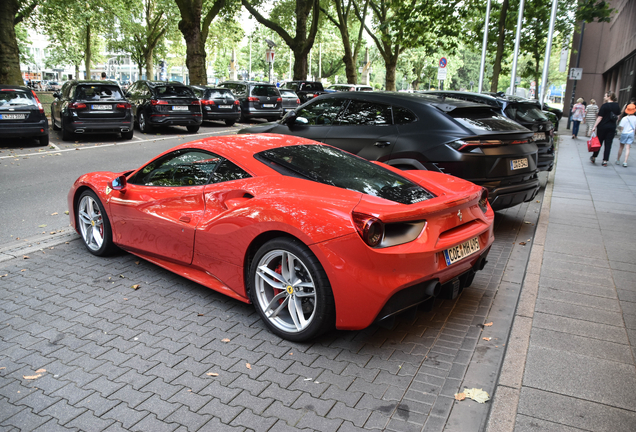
x=298, y=17
x=401, y=24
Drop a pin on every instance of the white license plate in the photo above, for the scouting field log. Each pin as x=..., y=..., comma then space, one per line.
x=539, y=136
x=461, y=251
x=268, y=105
x=225, y=106
x=12, y=116
x=180, y=108
x=101, y=107
x=519, y=163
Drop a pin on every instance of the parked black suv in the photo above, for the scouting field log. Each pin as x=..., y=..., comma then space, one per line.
x=257, y=99
x=416, y=131
x=91, y=106
x=22, y=114
x=218, y=104
x=526, y=112
x=164, y=103
x=306, y=90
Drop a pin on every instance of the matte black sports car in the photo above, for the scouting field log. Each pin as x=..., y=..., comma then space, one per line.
x=415, y=131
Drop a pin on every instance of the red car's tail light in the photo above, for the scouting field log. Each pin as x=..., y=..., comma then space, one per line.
x=77, y=105
x=236, y=102
x=197, y=102
x=123, y=105
x=207, y=102
x=252, y=99
x=483, y=201
x=370, y=229
x=38, y=101
x=158, y=102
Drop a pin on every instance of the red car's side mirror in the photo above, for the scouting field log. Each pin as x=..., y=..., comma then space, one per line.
x=119, y=183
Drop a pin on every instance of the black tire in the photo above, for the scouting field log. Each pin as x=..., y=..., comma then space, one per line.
x=93, y=223
x=44, y=140
x=53, y=125
x=230, y=122
x=127, y=135
x=314, y=297
x=243, y=119
x=66, y=135
x=193, y=129
x=144, y=127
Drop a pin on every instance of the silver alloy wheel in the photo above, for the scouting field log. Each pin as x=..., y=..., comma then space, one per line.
x=142, y=122
x=91, y=222
x=285, y=291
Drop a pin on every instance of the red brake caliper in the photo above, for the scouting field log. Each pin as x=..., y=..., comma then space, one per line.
x=279, y=270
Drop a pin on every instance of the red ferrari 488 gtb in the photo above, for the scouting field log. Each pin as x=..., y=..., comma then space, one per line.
x=313, y=236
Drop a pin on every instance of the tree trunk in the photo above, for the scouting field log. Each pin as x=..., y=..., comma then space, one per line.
x=150, y=67
x=301, y=65
x=350, y=63
x=9, y=51
x=77, y=71
x=496, y=69
x=195, y=53
x=87, y=56
x=390, y=67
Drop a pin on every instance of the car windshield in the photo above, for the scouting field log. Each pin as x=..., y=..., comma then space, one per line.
x=335, y=167
x=173, y=91
x=484, y=119
x=16, y=97
x=525, y=113
x=98, y=92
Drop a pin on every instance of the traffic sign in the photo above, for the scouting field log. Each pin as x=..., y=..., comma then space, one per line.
x=443, y=62
x=269, y=55
x=441, y=73
x=576, y=73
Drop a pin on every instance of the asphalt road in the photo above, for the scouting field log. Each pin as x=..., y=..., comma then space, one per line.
x=35, y=180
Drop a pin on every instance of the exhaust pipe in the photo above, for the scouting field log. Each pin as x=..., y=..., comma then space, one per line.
x=79, y=131
x=125, y=129
x=433, y=289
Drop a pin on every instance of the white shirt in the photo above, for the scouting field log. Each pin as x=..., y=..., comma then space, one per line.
x=627, y=124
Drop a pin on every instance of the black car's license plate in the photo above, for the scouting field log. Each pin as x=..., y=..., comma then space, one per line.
x=12, y=116
x=519, y=164
x=101, y=107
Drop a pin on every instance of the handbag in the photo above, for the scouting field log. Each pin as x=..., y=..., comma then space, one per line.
x=593, y=144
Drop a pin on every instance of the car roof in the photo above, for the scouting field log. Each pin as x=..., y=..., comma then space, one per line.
x=248, y=82
x=206, y=87
x=163, y=83
x=93, y=82
x=16, y=87
x=406, y=99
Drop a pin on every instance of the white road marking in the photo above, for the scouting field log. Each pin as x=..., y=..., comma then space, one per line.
x=54, y=146
x=157, y=138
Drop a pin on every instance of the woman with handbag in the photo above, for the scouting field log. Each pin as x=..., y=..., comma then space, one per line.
x=578, y=114
x=605, y=125
x=591, y=112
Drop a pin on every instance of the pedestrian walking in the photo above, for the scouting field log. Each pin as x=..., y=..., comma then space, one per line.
x=591, y=112
x=626, y=126
x=578, y=115
x=605, y=125
x=103, y=75
x=631, y=101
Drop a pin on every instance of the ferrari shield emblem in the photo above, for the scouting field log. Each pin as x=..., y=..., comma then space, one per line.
x=459, y=215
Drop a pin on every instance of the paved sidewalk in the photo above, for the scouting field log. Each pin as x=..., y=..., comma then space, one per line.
x=569, y=364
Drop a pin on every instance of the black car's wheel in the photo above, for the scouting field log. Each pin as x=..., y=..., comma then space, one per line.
x=66, y=134
x=127, y=135
x=230, y=122
x=143, y=123
x=193, y=129
x=94, y=224
x=243, y=119
x=44, y=140
x=53, y=125
x=290, y=290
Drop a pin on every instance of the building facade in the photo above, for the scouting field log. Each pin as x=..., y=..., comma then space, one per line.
x=607, y=57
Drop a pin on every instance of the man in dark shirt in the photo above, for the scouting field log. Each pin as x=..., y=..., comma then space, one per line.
x=605, y=126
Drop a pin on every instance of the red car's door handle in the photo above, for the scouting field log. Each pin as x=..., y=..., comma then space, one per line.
x=185, y=218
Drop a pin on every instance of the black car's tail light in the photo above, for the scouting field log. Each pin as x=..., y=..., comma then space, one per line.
x=279, y=100
x=467, y=145
x=158, y=102
x=483, y=201
x=236, y=102
x=316, y=94
x=370, y=229
x=207, y=102
x=38, y=102
x=124, y=106
x=195, y=102
x=252, y=99
x=77, y=105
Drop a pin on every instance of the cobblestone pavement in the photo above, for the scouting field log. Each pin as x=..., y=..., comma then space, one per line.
x=173, y=355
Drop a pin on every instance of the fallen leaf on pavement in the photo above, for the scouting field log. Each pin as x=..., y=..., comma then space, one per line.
x=308, y=379
x=527, y=222
x=522, y=243
x=225, y=340
x=247, y=365
x=488, y=324
x=4, y=275
x=486, y=338
x=23, y=270
x=137, y=262
x=40, y=371
x=199, y=314
x=478, y=395
x=212, y=374
x=66, y=212
x=136, y=286
x=460, y=396
x=42, y=226
x=3, y=367
x=25, y=257
x=54, y=214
